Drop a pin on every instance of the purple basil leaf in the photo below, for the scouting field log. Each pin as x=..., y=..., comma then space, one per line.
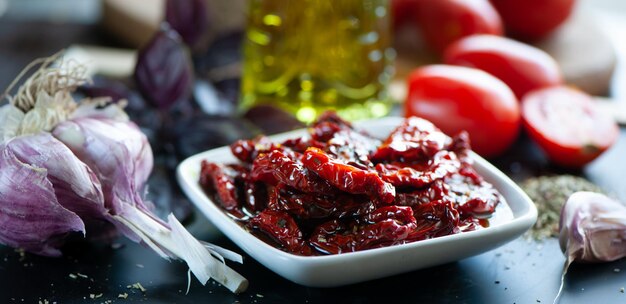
x=188, y=17
x=163, y=73
x=225, y=50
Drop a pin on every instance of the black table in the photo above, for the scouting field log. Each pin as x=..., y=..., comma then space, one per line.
x=523, y=271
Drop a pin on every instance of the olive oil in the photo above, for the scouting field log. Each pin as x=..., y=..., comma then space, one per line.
x=308, y=56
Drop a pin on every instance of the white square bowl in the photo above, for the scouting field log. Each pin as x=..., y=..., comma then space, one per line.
x=354, y=267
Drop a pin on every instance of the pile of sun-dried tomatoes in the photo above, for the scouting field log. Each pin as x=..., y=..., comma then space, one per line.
x=340, y=190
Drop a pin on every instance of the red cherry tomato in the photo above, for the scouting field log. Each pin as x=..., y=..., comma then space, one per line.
x=459, y=98
x=567, y=125
x=444, y=21
x=522, y=67
x=533, y=19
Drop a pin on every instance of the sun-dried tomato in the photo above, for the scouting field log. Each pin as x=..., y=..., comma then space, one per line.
x=325, y=130
x=314, y=206
x=420, y=175
x=473, y=196
x=282, y=229
x=331, y=238
x=414, y=140
x=220, y=179
x=386, y=225
x=300, y=144
x=276, y=167
x=401, y=214
x=331, y=116
x=346, y=177
x=247, y=150
x=434, y=219
x=256, y=196
x=300, y=204
x=384, y=233
x=352, y=148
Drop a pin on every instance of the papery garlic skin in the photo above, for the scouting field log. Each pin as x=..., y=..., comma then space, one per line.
x=31, y=216
x=593, y=228
x=10, y=119
x=47, y=112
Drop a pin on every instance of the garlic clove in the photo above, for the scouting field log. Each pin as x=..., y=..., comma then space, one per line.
x=76, y=187
x=593, y=228
x=118, y=153
x=31, y=216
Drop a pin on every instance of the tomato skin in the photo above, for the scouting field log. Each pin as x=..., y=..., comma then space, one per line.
x=522, y=67
x=567, y=126
x=460, y=98
x=533, y=19
x=442, y=22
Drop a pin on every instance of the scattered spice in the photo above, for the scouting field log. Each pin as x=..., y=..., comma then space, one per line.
x=95, y=296
x=122, y=295
x=22, y=253
x=259, y=295
x=84, y=276
x=73, y=276
x=549, y=193
x=137, y=286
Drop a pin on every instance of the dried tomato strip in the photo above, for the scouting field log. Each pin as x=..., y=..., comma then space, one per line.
x=415, y=139
x=441, y=165
x=346, y=177
x=314, y=206
x=247, y=150
x=276, y=167
x=282, y=229
x=221, y=180
x=434, y=219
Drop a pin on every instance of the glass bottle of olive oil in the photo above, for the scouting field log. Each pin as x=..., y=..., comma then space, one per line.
x=308, y=56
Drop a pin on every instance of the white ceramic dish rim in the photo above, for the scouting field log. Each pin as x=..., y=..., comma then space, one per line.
x=188, y=172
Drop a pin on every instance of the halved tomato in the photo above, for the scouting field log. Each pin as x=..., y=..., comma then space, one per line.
x=567, y=125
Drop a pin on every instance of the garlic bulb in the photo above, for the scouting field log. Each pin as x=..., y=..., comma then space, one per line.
x=77, y=167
